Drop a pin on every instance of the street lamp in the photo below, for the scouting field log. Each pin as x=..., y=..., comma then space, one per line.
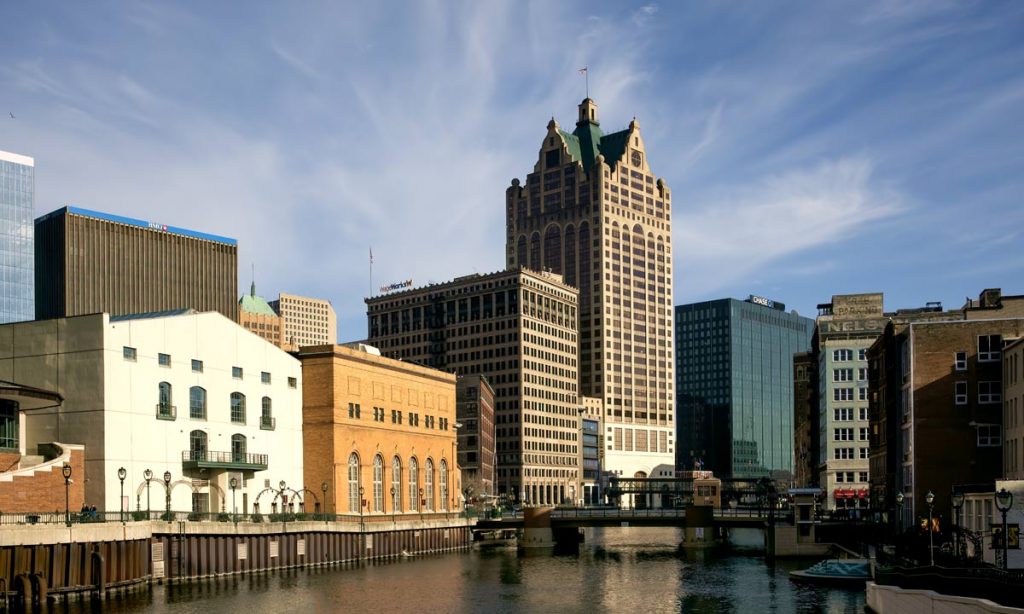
x=233, y=483
x=1004, y=501
x=929, y=498
x=362, y=504
x=392, y=504
x=957, y=501
x=167, y=487
x=899, y=512
x=323, y=488
x=280, y=491
x=122, y=473
x=420, y=506
x=66, y=472
x=148, y=475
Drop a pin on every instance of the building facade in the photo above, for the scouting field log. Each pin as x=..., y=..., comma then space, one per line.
x=1013, y=406
x=188, y=393
x=307, y=321
x=593, y=212
x=734, y=374
x=474, y=410
x=259, y=318
x=938, y=387
x=592, y=444
x=91, y=262
x=805, y=420
x=378, y=434
x=519, y=329
x=17, y=231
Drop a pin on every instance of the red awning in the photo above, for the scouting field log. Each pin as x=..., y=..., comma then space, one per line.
x=863, y=493
x=843, y=494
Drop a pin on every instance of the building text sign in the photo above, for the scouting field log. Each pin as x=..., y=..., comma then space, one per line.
x=857, y=306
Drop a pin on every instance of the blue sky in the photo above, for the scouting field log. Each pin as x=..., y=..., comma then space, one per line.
x=812, y=148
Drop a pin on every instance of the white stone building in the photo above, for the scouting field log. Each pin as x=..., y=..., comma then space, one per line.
x=192, y=394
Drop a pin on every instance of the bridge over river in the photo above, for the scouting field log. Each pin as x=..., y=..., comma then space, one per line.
x=618, y=517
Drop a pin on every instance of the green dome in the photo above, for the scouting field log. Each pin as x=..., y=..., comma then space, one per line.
x=250, y=303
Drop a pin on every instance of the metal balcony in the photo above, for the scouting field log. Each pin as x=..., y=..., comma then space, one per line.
x=241, y=461
x=166, y=412
x=268, y=423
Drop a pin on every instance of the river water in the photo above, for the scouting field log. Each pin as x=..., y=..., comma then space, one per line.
x=631, y=570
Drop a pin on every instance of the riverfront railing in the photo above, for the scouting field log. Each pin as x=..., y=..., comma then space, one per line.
x=87, y=517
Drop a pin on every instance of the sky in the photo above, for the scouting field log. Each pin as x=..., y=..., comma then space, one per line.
x=812, y=148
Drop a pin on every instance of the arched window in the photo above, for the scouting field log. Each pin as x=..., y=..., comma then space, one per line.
x=521, y=251
x=553, y=249
x=429, y=481
x=378, y=483
x=444, y=484
x=535, y=251
x=267, y=416
x=164, y=408
x=414, y=470
x=396, y=484
x=569, y=267
x=197, y=403
x=354, y=504
x=238, y=448
x=197, y=445
x=238, y=407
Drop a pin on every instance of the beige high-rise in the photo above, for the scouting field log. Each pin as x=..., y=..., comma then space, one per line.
x=307, y=321
x=517, y=328
x=593, y=211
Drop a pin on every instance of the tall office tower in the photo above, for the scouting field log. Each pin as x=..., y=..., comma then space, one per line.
x=17, y=210
x=593, y=212
x=307, y=321
x=734, y=373
x=518, y=328
x=91, y=262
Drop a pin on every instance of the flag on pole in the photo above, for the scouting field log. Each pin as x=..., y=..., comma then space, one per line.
x=583, y=70
x=371, y=255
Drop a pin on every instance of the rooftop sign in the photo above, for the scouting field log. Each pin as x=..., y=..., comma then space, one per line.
x=119, y=219
x=400, y=285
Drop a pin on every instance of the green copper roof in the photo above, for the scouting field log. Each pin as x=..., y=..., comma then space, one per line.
x=251, y=303
x=587, y=141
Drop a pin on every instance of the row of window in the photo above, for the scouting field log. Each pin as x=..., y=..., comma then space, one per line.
x=420, y=497
x=846, y=434
x=164, y=360
x=988, y=392
x=845, y=355
x=197, y=405
x=355, y=412
x=846, y=394
x=848, y=477
x=848, y=453
x=845, y=414
x=846, y=375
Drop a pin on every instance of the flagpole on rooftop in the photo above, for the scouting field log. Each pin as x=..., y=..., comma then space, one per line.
x=371, y=272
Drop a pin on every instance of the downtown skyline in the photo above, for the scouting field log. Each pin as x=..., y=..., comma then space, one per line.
x=811, y=152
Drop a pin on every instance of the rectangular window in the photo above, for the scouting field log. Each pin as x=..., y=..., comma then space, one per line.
x=842, y=375
x=353, y=410
x=264, y=377
x=990, y=392
x=960, y=361
x=990, y=348
x=164, y=360
x=863, y=475
x=862, y=394
x=842, y=434
x=843, y=453
x=862, y=354
x=293, y=382
x=129, y=353
x=842, y=355
x=989, y=436
x=862, y=435
x=863, y=453
x=236, y=372
x=842, y=414
x=862, y=374
x=197, y=366
x=960, y=393
x=842, y=394
x=839, y=477
x=863, y=413
x=849, y=477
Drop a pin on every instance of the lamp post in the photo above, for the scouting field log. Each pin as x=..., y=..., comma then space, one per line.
x=122, y=473
x=362, y=504
x=147, y=475
x=323, y=488
x=66, y=472
x=167, y=488
x=957, y=501
x=929, y=498
x=233, y=483
x=1004, y=501
x=420, y=506
x=280, y=491
x=899, y=512
x=392, y=504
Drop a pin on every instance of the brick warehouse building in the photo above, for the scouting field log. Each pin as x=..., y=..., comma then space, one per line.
x=936, y=404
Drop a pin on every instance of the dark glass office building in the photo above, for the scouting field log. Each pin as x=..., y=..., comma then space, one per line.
x=734, y=385
x=17, y=260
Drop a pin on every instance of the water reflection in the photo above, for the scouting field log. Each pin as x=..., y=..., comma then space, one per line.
x=629, y=570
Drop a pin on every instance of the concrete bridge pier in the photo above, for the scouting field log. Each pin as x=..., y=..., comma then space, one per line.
x=537, y=533
x=700, y=527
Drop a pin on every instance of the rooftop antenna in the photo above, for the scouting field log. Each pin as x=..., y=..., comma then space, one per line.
x=586, y=77
x=371, y=271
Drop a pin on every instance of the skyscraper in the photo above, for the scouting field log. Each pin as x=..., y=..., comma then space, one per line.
x=307, y=321
x=17, y=210
x=91, y=262
x=593, y=212
x=735, y=385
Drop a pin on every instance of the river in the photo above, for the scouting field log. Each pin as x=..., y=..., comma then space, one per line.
x=632, y=570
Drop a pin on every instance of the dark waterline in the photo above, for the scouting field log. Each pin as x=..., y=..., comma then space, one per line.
x=630, y=570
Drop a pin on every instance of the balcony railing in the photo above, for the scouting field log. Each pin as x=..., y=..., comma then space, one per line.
x=166, y=412
x=268, y=423
x=205, y=459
